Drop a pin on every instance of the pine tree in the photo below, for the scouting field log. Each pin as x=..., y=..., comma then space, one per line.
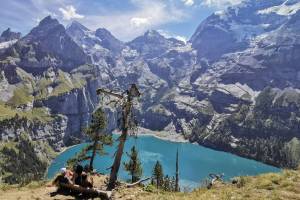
x=95, y=133
x=158, y=175
x=173, y=184
x=167, y=184
x=126, y=98
x=134, y=166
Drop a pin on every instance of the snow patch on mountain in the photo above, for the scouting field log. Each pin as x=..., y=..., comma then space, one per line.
x=4, y=45
x=242, y=91
x=283, y=9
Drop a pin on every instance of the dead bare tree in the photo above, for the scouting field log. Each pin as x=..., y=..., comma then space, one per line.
x=126, y=104
x=177, y=189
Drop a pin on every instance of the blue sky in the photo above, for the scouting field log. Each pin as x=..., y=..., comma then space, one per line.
x=126, y=19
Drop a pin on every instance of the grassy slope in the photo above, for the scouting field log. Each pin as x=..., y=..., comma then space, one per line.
x=285, y=185
x=40, y=114
x=61, y=84
x=19, y=161
x=29, y=90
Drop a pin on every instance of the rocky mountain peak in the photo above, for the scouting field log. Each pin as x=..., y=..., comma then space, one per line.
x=8, y=35
x=47, y=21
x=153, y=34
x=109, y=41
x=75, y=28
x=48, y=45
x=47, y=26
x=77, y=31
x=78, y=26
x=235, y=28
x=153, y=44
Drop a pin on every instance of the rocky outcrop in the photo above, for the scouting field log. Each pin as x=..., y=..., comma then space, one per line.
x=8, y=35
x=76, y=105
x=52, y=132
x=152, y=44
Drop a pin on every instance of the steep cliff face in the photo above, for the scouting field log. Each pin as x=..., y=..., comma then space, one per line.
x=52, y=131
x=267, y=130
x=240, y=75
x=76, y=105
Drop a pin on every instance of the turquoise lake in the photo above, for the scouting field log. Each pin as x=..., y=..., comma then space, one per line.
x=196, y=162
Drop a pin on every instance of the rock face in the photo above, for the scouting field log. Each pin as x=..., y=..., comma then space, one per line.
x=152, y=44
x=52, y=132
x=47, y=45
x=8, y=35
x=232, y=87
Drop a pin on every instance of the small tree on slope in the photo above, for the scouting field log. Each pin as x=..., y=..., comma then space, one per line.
x=134, y=166
x=95, y=132
x=158, y=175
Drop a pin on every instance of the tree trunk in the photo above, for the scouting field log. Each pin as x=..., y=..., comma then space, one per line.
x=93, y=155
x=105, y=195
x=132, y=179
x=177, y=174
x=116, y=165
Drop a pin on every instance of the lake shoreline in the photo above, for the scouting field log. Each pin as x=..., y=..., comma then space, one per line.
x=163, y=135
x=196, y=164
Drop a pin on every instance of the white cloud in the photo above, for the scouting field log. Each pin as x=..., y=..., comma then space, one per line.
x=221, y=3
x=125, y=24
x=69, y=12
x=132, y=23
x=139, y=21
x=188, y=2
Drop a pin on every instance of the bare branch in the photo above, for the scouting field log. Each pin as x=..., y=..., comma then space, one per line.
x=100, y=90
x=136, y=183
x=93, y=191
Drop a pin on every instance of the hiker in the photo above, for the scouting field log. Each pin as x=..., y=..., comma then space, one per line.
x=85, y=182
x=61, y=179
x=69, y=173
x=87, y=169
x=77, y=176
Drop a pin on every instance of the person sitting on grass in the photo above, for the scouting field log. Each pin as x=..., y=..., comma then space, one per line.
x=59, y=180
x=85, y=182
x=69, y=173
x=77, y=176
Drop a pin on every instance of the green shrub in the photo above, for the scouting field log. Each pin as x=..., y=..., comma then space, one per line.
x=150, y=188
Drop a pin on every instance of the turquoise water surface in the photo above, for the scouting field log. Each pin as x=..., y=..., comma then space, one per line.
x=196, y=162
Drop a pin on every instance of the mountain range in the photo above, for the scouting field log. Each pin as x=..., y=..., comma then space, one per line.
x=234, y=86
